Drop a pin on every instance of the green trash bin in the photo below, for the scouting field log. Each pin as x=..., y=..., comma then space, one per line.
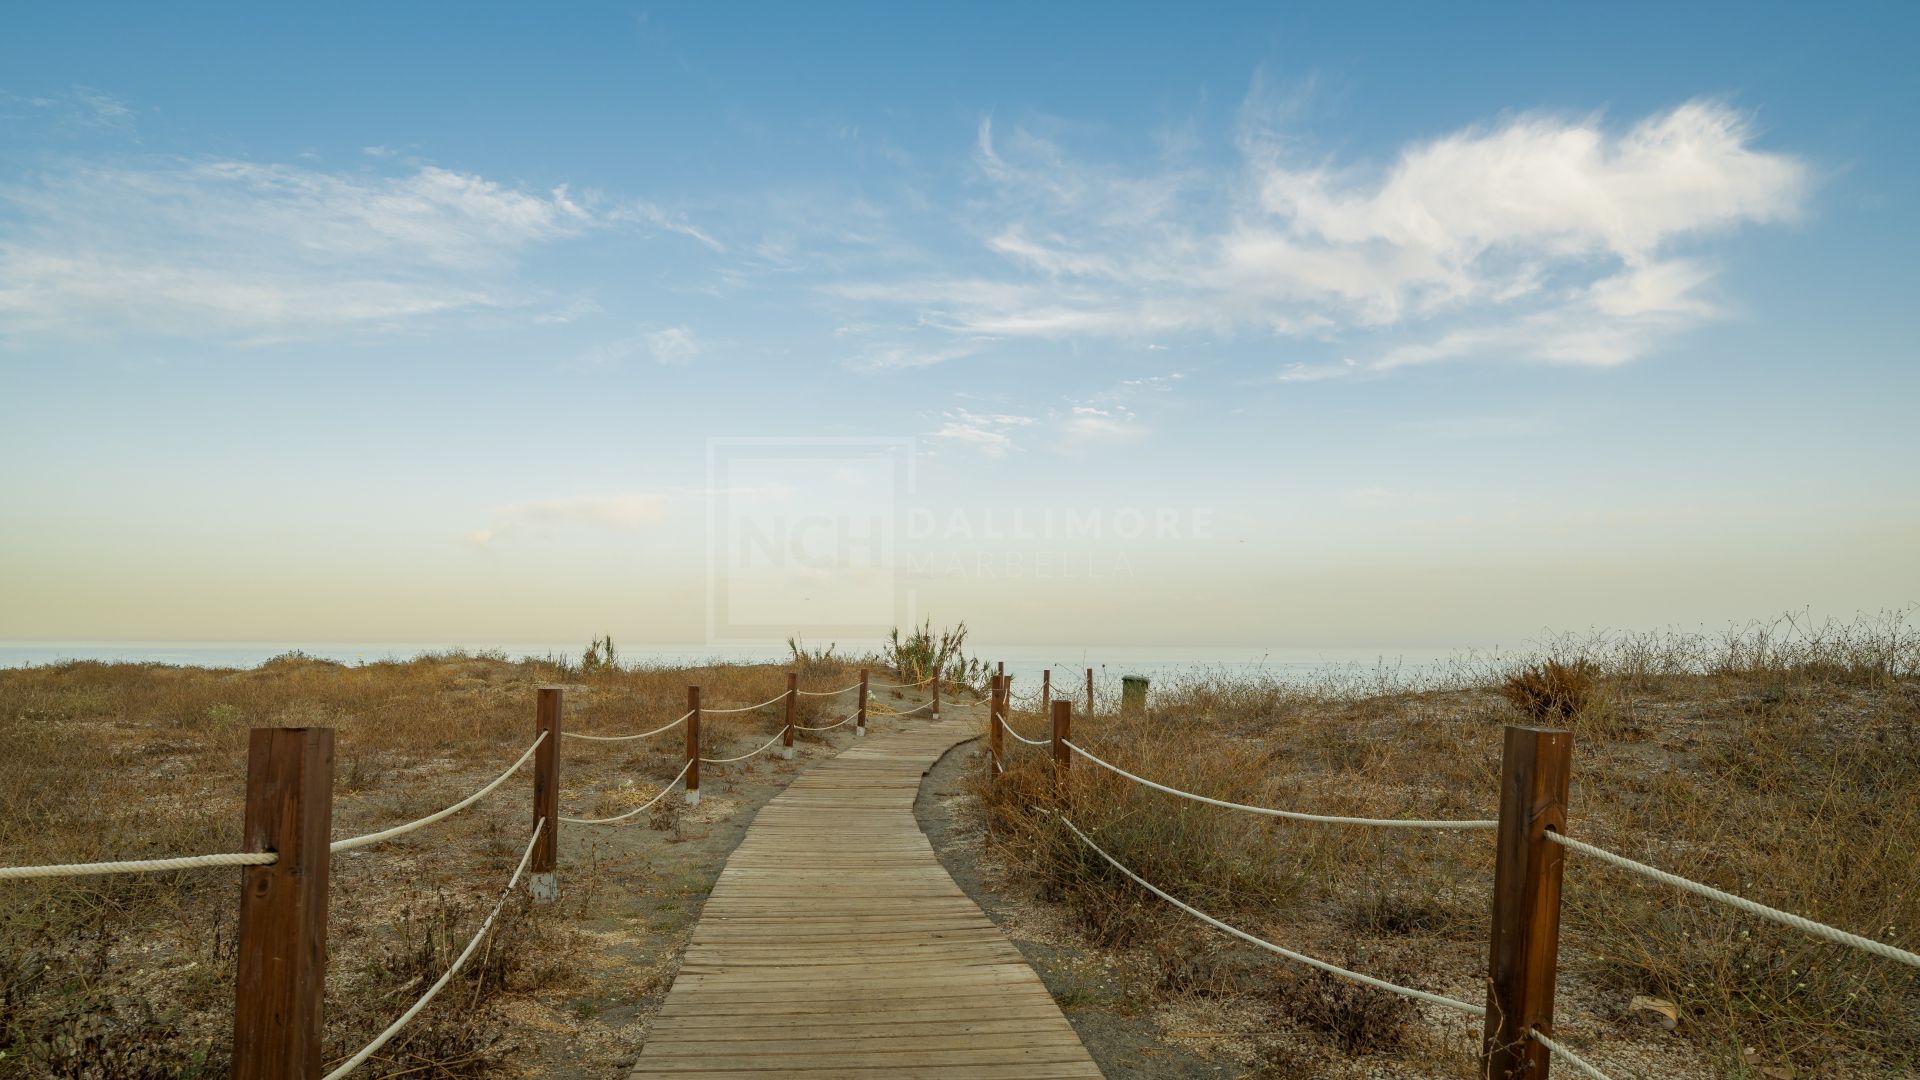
x=1133, y=694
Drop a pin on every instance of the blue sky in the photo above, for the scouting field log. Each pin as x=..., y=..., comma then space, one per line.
x=1452, y=326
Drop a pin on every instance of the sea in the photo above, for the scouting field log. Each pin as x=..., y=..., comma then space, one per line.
x=1351, y=666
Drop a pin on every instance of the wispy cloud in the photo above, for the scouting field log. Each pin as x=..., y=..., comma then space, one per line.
x=673, y=345
x=1091, y=423
x=894, y=355
x=79, y=110
x=1106, y=417
x=246, y=252
x=99, y=109
x=1538, y=238
x=989, y=433
x=651, y=214
x=253, y=251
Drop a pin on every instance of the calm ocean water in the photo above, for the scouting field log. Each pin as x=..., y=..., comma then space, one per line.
x=1024, y=662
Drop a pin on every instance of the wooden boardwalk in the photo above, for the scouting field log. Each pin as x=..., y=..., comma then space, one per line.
x=835, y=944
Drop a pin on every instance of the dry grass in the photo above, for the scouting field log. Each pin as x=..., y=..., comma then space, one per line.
x=131, y=976
x=1551, y=691
x=1788, y=773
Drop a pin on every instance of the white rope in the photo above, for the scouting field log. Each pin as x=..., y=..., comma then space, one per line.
x=850, y=718
x=1292, y=815
x=748, y=754
x=1579, y=1064
x=829, y=693
x=915, y=709
x=440, y=815
x=636, y=810
x=623, y=738
x=381, y=1039
x=1008, y=728
x=140, y=866
x=1365, y=980
x=750, y=708
x=900, y=685
x=1785, y=918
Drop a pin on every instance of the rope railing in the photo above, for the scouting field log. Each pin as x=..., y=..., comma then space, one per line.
x=843, y=721
x=624, y=738
x=439, y=815
x=1332, y=969
x=749, y=708
x=459, y=962
x=139, y=866
x=827, y=693
x=1013, y=731
x=636, y=811
x=751, y=753
x=1534, y=777
x=1291, y=815
x=281, y=965
x=1580, y=1064
x=1522, y=1002
x=1785, y=918
x=900, y=685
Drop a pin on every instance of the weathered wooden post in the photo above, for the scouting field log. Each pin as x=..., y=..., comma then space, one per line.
x=996, y=702
x=282, y=961
x=1089, y=691
x=693, y=746
x=1046, y=693
x=936, y=693
x=860, y=725
x=544, y=882
x=1524, y=950
x=793, y=695
x=1062, y=757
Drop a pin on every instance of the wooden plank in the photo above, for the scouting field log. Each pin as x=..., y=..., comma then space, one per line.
x=835, y=944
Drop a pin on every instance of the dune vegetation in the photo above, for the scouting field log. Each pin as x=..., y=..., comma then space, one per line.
x=1779, y=761
x=132, y=975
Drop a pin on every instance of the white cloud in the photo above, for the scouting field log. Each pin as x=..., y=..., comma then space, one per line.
x=253, y=251
x=1552, y=185
x=988, y=433
x=993, y=443
x=1537, y=238
x=1088, y=423
x=674, y=345
x=1104, y=418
